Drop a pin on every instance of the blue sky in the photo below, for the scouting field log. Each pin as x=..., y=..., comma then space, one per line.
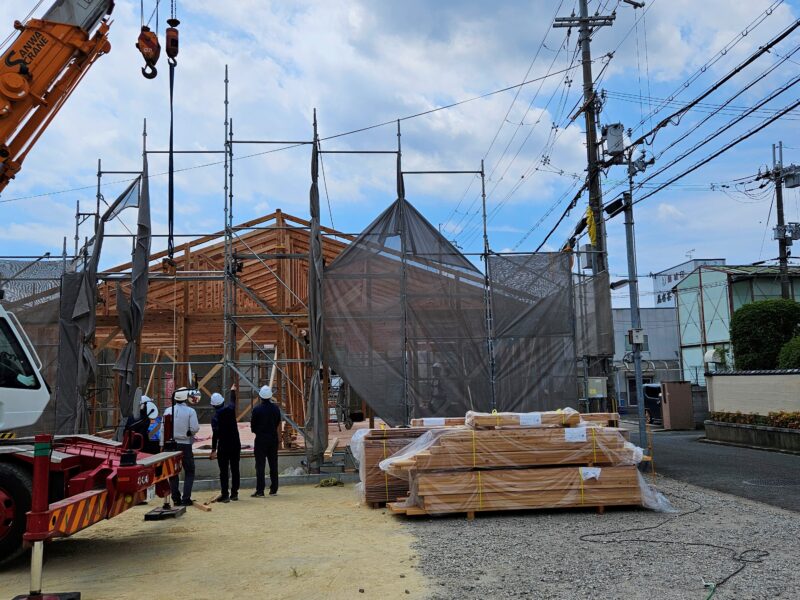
x=361, y=63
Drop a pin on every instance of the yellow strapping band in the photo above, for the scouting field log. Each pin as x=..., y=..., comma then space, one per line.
x=480, y=491
x=496, y=417
x=580, y=482
x=594, y=445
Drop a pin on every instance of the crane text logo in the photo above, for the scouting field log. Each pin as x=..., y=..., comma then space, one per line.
x=28, y=52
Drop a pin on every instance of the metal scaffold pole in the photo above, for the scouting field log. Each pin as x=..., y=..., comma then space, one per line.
x=488, y=294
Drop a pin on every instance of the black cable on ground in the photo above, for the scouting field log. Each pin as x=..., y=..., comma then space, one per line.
x=744, y=558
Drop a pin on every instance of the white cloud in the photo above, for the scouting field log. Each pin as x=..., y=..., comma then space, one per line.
x=669, y=212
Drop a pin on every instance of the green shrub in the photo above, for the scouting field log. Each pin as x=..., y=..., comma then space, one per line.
x=786, y=420
x=760, y=329
x=789, y=357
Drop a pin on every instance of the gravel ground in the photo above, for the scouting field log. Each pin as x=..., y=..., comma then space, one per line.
x=540, y=554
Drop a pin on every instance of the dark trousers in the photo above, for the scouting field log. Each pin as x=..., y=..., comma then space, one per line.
x=266, y=451
x=188, y=475
x=228, y=459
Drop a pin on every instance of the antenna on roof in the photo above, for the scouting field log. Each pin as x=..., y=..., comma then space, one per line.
x=690, y=253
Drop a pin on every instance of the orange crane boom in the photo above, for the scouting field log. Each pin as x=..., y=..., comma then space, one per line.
x=42, y=68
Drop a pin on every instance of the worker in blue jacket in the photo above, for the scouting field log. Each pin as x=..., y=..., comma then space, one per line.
x=225, y=444
x=264, y=423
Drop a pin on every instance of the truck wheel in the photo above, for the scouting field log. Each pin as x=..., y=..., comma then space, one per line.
x=16, y=491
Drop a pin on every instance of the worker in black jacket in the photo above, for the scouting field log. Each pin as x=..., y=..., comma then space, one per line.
x=225, y=444
x=264, y=423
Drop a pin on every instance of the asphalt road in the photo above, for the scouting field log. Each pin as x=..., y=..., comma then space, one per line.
x=769, y=477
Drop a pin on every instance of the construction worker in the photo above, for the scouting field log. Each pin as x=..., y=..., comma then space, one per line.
x=225, y=444
x=264, y=423
x=184, y=428
x=150, y=424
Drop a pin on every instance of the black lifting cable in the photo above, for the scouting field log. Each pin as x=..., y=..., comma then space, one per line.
x=172, y=54
x=744, y=558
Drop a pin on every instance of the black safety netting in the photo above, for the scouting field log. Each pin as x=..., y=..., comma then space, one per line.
x=533, y=342
x=407, y=328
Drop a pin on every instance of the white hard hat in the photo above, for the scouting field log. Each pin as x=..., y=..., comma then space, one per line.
x=181, y=394
x=217, y=399
x=144, y=400
x=265, y=392
x=151, y=410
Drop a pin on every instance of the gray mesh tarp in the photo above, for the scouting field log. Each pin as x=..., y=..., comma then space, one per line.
x=407, y=330
x=317, y=414
x=534, y=346
x=594, y=331
x=406, y=324
x=130, y=311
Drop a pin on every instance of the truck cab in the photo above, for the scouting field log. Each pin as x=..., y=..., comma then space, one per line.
x=24, y=394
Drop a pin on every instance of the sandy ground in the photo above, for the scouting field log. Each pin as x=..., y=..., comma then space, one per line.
x=306, y=542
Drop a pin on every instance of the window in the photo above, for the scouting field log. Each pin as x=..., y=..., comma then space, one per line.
x=633, y=401
x=15, y=368
x=645, y=346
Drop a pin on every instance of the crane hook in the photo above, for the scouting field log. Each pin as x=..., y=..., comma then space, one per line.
x=152, y=73
x=150, y=48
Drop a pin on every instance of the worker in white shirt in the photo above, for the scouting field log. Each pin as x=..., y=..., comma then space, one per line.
x=184, y=427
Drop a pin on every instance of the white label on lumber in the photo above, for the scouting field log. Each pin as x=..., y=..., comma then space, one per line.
x=590, y=473
x=532, y=419
x=575, y=434
x=433, y=422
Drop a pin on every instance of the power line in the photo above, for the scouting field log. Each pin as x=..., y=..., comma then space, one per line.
x=290, y=146
x=763, y=16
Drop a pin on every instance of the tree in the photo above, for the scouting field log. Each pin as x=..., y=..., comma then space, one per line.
x=760, y=329
x=789, y=357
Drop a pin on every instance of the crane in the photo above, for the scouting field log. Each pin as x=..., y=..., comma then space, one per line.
x=55, y=486
x=40, y=70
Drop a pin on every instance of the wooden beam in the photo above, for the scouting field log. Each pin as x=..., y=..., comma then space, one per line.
x=108, y=339
x=152, y=372
x=331, y=448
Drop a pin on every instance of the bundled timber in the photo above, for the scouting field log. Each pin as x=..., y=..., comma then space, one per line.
x=438, y=422
x=473, y=491
x=551, y=418
x=548, y=460
x=378, y=445
x=463, y=449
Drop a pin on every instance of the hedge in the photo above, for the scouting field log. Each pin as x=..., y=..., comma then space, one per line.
x=789, y=357
x=786, y=420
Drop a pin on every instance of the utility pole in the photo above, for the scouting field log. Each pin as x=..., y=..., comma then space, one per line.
x=586, y=26
x=783, y=232
x=636, y=334
x=777, y=174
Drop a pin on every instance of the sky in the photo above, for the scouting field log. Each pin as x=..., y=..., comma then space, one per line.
x=361, y=63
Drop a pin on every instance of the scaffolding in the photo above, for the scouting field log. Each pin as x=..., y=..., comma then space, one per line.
x=233, y=306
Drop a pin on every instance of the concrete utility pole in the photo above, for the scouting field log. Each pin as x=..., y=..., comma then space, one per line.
x=783, y=258
x=586, y=26
x=636, y=334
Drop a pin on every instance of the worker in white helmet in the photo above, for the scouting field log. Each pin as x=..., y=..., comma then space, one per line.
x=139, y=423
x=148, y=411
x=226, y=446
x=264, y=423
x=184, y=427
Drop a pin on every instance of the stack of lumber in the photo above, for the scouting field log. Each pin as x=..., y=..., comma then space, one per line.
x=465, y=469
x=462, y=449
x=438, y=422
x=473, y=491
x=380, y=444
